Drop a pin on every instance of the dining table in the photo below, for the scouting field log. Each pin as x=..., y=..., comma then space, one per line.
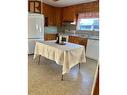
x=68, y=54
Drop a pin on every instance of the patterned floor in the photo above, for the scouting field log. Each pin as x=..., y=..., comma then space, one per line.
x=45, y=78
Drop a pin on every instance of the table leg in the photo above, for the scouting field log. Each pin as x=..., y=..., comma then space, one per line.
x=79, y=65
x=39, y=59
x=62, y=78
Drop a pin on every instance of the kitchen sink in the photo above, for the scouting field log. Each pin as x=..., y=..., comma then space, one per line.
x=83, y=35
x=89, y=36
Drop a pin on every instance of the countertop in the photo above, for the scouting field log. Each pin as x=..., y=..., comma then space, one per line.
x=92, y=37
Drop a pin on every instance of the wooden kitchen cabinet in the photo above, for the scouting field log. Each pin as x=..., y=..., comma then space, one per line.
x=58, y=16
x=83, y=41
x=48, y=12
x=49, y=37
x=68, y=14
x=53, y=15
x=34, y=6
x=78, y=40
x=74, y=39
x=71, y=39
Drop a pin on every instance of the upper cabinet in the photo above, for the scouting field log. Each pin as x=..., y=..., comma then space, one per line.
x=34, y=7
x=68, y=13
x=58, y=16
x=52, y=14
x=48, y=13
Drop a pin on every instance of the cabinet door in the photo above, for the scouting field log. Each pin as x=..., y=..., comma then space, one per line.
x=71, y=39
x=68, y=13
x=50, y=36
x=58, y=17
x=49, y=12
x=78, y=40
x=83, y=41
x=34, y=6
x=31, y=7
x=50, y=16
x=74, y=39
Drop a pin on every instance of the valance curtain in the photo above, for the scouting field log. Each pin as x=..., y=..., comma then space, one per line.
x=88, y=15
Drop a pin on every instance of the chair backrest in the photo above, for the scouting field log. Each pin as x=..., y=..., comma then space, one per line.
x=92, y=49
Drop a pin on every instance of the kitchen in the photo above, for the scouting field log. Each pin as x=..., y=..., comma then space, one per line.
x=65, y=17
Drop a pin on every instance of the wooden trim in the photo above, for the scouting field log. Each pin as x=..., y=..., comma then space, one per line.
x=96, y=88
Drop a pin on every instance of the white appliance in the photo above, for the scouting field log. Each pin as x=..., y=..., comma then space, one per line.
x=35, y=30
x=92, y=49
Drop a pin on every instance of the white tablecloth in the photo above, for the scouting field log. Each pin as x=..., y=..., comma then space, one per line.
x=67, y=55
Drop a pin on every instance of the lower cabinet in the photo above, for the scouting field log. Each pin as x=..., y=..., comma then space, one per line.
x=83, y=41
x=72, y=39
x=78, y=40
x=50, y=37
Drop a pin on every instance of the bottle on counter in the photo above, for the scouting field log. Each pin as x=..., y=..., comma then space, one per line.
x=57, y=38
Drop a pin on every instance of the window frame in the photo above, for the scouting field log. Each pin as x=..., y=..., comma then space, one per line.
x=78, y=24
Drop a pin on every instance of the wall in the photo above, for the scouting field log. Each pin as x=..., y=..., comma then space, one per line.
x=50, y=30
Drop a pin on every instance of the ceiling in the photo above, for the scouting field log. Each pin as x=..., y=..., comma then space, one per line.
x=63, y=3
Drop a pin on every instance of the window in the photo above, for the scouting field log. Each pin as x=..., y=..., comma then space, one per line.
x=88, y=24
x=88, y=21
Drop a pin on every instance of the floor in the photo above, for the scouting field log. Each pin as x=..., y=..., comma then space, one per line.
x=45, y=78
